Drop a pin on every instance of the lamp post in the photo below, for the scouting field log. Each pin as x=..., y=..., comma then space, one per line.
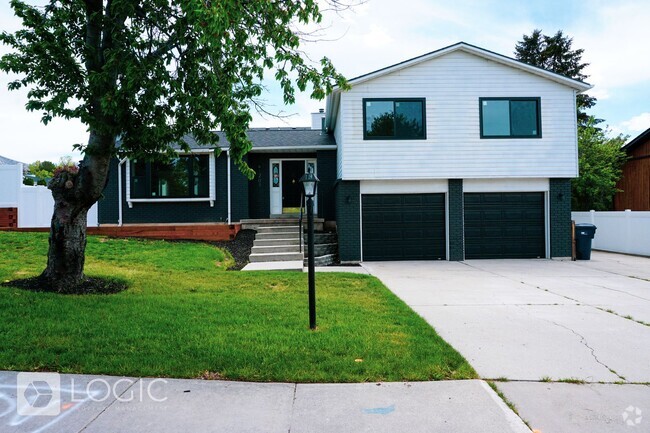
x=309, y=183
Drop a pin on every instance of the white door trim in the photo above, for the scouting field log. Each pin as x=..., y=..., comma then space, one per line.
x=275, y=194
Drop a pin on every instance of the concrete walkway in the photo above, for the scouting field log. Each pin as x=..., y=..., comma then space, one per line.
x=538, y=320
x=103, y=404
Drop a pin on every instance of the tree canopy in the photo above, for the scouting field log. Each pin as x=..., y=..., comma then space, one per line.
x=555, y=54
x=152, y=71
x=601, y=166
x=148, y=73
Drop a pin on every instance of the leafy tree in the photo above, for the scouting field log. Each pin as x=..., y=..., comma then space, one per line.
x=386, y=124
x=150, y=72
x=601, y=166
x=555, y=54
x=43, y=170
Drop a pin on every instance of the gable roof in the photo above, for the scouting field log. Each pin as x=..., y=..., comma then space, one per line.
x=641, y=138
x=7, y=161
x=477, y=51
x=275, y=139
x=332, y=98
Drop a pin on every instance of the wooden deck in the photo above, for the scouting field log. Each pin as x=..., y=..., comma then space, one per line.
x=198, y=232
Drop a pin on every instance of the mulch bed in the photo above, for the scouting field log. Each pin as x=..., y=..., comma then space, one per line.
x=89, y=286
x=239, y=248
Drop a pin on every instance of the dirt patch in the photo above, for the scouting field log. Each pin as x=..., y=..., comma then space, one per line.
x=89, y=286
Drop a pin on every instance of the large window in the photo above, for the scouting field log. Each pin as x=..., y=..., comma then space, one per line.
x=187, y=176
x=510, y=118
x=393, y=119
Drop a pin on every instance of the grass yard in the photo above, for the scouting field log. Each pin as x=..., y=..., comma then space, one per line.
x=184, y=315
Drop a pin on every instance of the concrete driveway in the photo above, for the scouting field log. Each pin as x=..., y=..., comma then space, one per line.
x=540, y=320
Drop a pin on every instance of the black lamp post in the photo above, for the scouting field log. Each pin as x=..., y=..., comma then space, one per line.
x=309, y=183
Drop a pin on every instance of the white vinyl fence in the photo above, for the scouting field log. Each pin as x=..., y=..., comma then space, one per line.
x=34, y=203
x=621, y=232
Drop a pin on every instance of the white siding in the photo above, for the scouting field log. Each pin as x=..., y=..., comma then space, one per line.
x=452, y=85
x=506, y=185
x=338, y=137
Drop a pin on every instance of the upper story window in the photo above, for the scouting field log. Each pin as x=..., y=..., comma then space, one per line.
x=187, y=176
x=394, y=119
x=510, y=118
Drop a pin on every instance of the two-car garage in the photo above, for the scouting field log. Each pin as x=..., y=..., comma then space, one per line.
x=414, y=226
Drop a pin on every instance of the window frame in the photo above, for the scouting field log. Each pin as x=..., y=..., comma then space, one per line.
x=211, y=196
x=536, y=99
x=395, y=100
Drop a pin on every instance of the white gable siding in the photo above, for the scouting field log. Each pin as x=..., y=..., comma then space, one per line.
x=452, y=85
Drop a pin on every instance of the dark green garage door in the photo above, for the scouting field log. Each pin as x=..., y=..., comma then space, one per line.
x=504, y=225
x=403, y=227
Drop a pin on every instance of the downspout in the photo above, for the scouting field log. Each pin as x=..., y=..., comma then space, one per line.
x=229, y=220
x=119, y=192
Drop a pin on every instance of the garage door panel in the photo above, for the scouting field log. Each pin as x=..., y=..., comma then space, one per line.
x=504, y=225
x=403, y=226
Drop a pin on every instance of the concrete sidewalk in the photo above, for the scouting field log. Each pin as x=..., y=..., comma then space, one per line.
x=92, y=404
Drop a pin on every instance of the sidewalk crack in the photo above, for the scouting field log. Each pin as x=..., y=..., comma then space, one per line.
x=107, y=407
x=584, y=342
x=293, y=405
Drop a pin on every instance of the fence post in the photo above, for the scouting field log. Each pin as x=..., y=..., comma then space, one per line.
x=628, y=230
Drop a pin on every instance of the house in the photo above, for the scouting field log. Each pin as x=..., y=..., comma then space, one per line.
x=458, y=154
x=635, y=182
x=7, y=161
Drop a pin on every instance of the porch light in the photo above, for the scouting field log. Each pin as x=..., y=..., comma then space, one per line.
x=309, y=183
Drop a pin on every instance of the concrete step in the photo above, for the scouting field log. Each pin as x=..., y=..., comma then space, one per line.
x=255, y=224
x=294, y=265
x=278, y=235
x=266, y=229
x=275, y=249
x=275, y=257
x=272, y=242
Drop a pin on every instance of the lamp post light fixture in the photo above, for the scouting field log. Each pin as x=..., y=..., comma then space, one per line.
x=309, y=183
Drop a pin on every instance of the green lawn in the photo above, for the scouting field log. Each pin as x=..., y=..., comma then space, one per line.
x=185, y=315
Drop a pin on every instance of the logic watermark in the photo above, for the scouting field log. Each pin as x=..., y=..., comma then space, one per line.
x=39, y=394
x=632, y=416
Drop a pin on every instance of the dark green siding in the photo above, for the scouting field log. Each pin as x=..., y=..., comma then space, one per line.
x=239, y=185
x=403, y=227
x=456, y=228
x=259, y=205
x=348, y=220
x=560, y=208
x=173, y=212
x=107, y=210
x=504, y=225
x=326, y=168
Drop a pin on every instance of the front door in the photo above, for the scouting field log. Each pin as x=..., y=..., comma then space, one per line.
x=286, y=189
x=292, y=171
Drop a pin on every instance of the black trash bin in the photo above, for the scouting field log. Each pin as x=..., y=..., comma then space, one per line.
x=584, y=234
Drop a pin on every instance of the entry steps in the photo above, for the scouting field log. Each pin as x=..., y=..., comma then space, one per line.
x=277, y=245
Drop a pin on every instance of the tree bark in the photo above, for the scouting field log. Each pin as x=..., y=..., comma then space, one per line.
x=74, y=193
x=66, y=254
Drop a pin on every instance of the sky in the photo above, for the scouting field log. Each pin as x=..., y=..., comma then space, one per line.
x=379, y=33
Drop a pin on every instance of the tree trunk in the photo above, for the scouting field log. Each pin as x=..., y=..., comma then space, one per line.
x=66, y=254
x=75, y=191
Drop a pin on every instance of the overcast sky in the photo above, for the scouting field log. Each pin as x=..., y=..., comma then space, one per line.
x=383, y=32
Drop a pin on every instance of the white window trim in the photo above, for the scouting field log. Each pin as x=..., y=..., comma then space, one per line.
x=212, y=184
